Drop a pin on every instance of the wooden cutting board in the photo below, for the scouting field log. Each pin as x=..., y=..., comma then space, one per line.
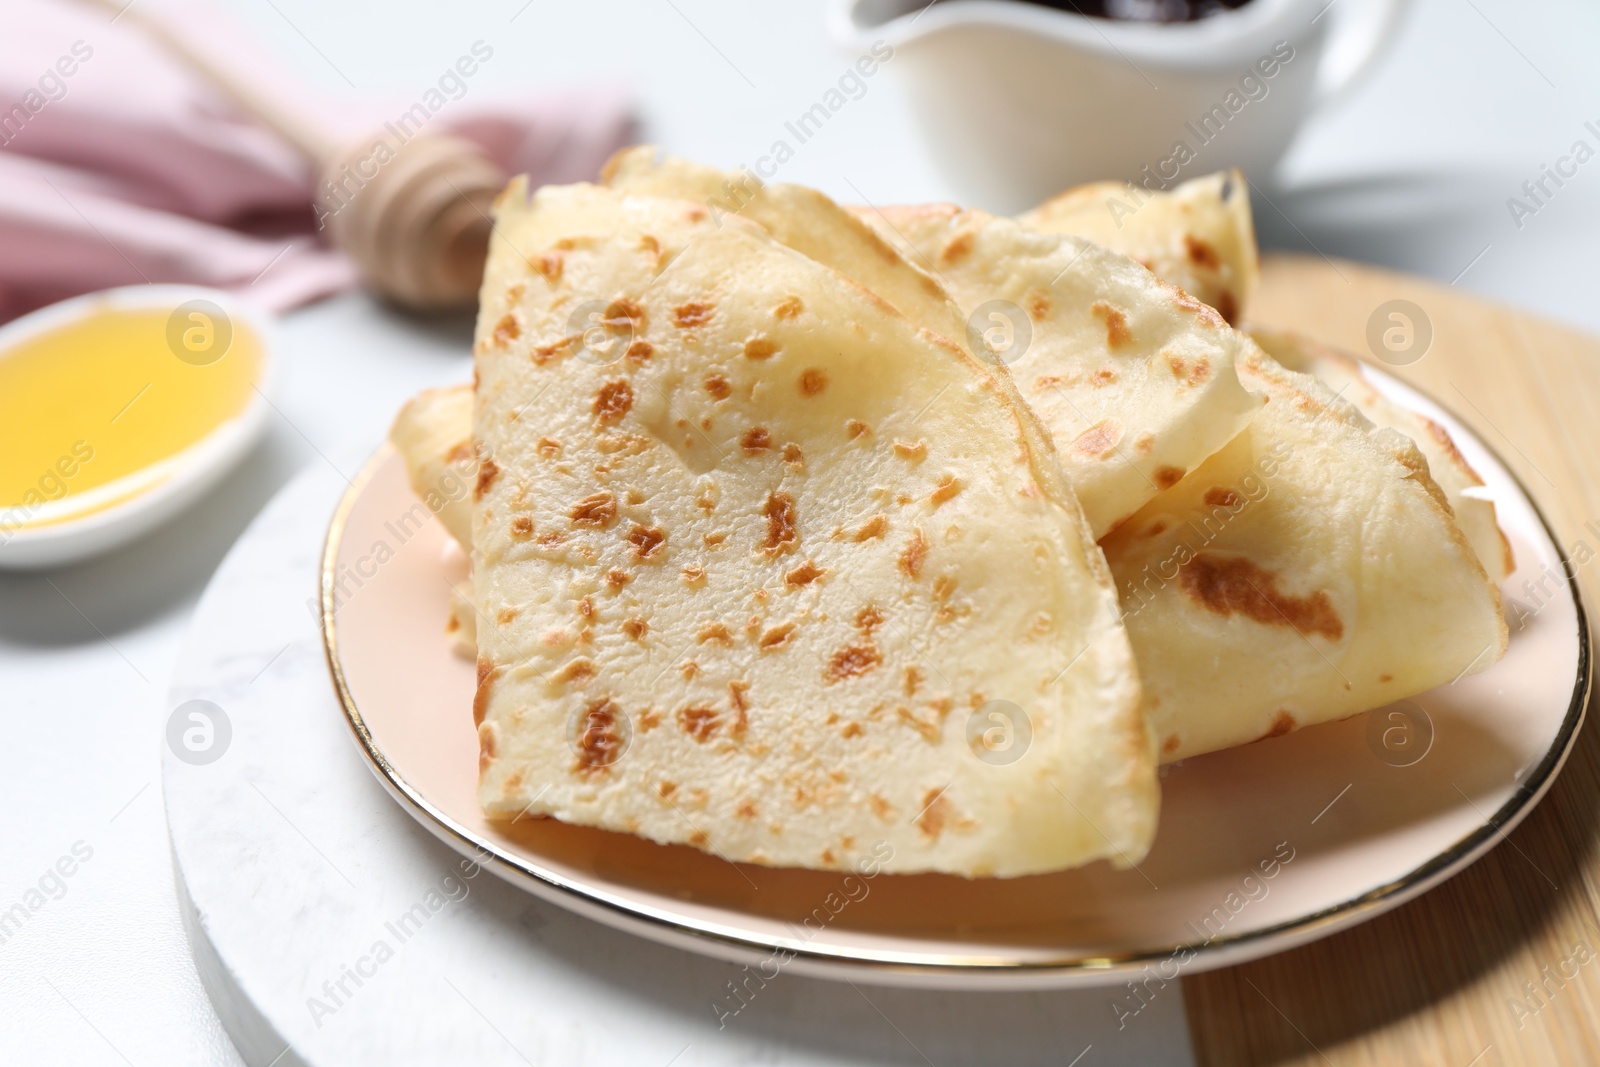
x=1501, y=964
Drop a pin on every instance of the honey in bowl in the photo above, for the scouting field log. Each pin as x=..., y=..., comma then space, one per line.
x=105, y=406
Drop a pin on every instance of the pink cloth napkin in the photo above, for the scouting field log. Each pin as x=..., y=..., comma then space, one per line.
x=118, y=166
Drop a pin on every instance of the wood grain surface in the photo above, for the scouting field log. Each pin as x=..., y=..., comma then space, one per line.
x=1500, y=964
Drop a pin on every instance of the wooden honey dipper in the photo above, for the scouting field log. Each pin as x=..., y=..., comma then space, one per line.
x=416, y=221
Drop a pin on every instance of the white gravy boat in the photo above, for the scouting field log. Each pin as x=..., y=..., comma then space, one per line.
x=1019, y=101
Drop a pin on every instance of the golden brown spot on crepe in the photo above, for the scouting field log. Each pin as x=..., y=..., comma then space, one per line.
x=1170, y=745
x=793, y=455
x=586, y=607
x=485, y=747
x=543, y=354
x=522, y=527
x=1099, y=440
x=715, y=631
x=553, y=539
x=635, y=628
x=599, y=736
x=452, y=624
x=881, y=807
x=781, y=532
x=1038, y=305
x=912, y=450
x=868, y=619
x=1205, y=312
x=949, y=485
x=746, y=809
x=665, y=789
x=930, y=730
x=1156, y=529
x=737, y=697
x=958, y=249
x=616, y=579
x=760, y=348
x=692, y=314
x=623, y=314
x=851, y=729
x=718, y=386
x=1385, y=677
x=548, y=265
x=613, y=400
x=1167, y=477
x=597, y=509
x=915, y=552
x=693, y=574
x=715, y=538
x=856, y=428
x=873, y=527
x=812, y=382
x=488, y=471
x=1116, y=320
x=578, y=670
x=486, y=676
x=646, y=540
x=755, y=439
x=638, y=352
x=503, y=616
x=1102, y=377
x=1222, y=497
x=1201, y=254
x=788, y=308
x=935, y=813
x=689, y=670
x=804, y=574
x=913, y=679
x=777, y=636
x=461, y=450
x=649, y=719
x=648, y=243
x=852, y=660
x=1282, y=723
x=699, y=839
x=698, y=722
x=1237, y=586
x=549, y=446
x=1194, y=372
x=508, y=329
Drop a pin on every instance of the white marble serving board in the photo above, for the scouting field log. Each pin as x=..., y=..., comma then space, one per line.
x=295, y=869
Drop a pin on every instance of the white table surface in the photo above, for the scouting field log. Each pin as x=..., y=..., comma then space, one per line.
x=1473, y=98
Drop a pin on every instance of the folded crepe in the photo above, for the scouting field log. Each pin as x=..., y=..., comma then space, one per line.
x=1198, y=236
x=1134, y=379
x=434, y=433
x=1310, y=570
x=1448, y=467
x=800, y=217
x=758, y=552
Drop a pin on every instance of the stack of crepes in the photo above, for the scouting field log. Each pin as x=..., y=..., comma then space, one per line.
x=797, y=530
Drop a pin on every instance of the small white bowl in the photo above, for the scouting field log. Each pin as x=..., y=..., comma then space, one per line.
x=173, y=483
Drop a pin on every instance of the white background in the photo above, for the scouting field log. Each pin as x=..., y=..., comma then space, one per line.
x=1412, y=170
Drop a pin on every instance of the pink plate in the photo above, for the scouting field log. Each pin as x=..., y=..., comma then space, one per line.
x=1260, y=848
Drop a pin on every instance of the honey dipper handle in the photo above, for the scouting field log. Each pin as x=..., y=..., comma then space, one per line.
x=314, y=142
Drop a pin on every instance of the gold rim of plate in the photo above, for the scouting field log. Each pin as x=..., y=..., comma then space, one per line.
x=645, y=920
